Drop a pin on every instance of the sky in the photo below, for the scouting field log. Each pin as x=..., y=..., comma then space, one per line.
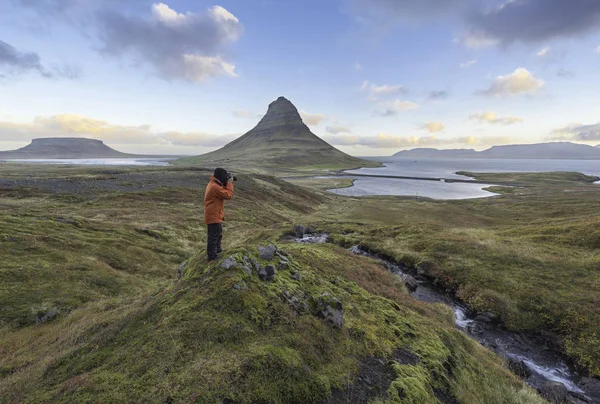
x=371, y=77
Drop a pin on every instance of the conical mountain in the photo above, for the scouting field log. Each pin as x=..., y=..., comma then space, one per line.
x=280, y=139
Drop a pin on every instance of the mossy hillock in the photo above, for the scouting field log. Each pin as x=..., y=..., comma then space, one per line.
x=204, y=340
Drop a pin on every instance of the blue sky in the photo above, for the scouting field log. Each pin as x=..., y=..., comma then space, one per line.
x=370, y=76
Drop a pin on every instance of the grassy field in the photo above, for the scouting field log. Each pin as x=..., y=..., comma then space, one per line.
x=91, y=309
x=530, y=256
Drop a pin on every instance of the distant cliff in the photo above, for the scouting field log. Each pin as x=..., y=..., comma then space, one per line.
x=63, y=148
x=555, y=150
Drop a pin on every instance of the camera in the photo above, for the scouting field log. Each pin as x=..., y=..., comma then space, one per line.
x=231, y=177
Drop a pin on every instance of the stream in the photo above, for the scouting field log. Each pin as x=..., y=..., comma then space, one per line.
x=529, y=357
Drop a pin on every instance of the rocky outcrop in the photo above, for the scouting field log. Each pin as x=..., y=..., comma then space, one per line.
x=329, y=308
x=554, y=392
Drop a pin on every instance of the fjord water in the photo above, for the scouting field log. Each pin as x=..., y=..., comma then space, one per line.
x=447, y=169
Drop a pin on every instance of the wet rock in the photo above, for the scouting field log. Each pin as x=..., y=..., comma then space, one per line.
x=229, y=263
x=299, y=231
x=592, y=387
x=554, y=392
x=329, y=308
x=297, y=276
x=411, y=283
x=268, y=252
x=47, y=316
x=241, y=285
x=475, y=329
x=518, y=367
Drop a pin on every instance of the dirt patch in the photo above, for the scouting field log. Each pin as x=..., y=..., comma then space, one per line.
x=375, y=375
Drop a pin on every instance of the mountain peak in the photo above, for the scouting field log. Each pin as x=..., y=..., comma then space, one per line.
x=281, y=112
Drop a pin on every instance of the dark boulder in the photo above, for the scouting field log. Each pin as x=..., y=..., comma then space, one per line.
x=518, y=367
x=555, y=392
x=47, y=316
x=270, y=270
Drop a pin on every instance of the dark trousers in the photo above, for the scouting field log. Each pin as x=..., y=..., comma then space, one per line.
x=213, y=242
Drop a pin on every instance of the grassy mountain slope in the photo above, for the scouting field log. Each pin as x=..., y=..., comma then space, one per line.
x=131, y=334
x=280, y=140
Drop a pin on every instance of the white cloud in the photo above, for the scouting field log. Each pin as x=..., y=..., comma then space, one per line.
x=577, y=132
x=377, y=93
x=543, y=52
x=476, y=40
x=468, y=64
x=521, y=81
x=434, y=127
x=391, y=108
x=338, y=129
x=178, y=46
x=71, y=125
x=312, y=119
x=493, y=118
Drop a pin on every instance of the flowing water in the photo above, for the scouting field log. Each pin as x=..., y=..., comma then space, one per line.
x=544, y=363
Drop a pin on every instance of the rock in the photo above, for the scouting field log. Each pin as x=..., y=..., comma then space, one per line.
x=591, y=386
x=554, y=392
x=336, y=281
x=241, y=285
x=282, y=256
x=329, y=308
x=262, y=274
x=181, y=269
x=297, y=276
x=475, y=329
x=268, y=252
x=484, y=318
x=48, y=316
x=518, y=367
x=247, y=269
x=256, y=264
x=411, y=283
x=299, y=231
x=424, y=269
x=283, y=265
x=229, y=263
x=270, y=270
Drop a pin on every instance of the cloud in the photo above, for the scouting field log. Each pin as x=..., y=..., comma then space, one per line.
x=543, y=52
x=468, y=64
x=178, y=46
x=378, y=92
x=392, y=108
x=535, y=20
x=386, y=141
x=438, y=95
x=434, y=127
x=337, y=129
x=493, y=118
x=577, y=132
x=15, y=62
x=243, y=113
x=506, y=22
x=71, y=125
x=521, y=81
x=312, y=119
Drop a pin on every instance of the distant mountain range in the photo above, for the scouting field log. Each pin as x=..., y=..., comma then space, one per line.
x=556, y=150
x=64, y=148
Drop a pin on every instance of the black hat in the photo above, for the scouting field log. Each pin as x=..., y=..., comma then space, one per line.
x=221, y=175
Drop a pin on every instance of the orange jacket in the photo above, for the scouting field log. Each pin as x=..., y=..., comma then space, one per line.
x=214, y=200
